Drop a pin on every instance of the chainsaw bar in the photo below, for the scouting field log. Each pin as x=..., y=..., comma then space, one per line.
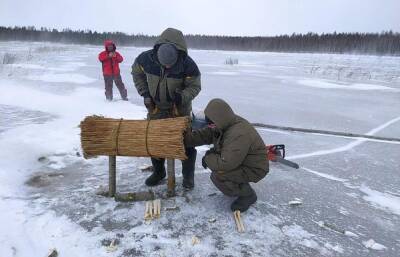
x=286, y=162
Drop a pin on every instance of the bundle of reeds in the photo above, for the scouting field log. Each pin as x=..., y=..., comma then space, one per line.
x=141, y=138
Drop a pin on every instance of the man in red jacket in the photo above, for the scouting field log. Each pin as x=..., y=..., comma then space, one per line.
x=110, y=60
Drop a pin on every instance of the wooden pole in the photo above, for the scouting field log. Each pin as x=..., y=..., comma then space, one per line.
x=325, y=132
x=112, y=181
x=171, y=177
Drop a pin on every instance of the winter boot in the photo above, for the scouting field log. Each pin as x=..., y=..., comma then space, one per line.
x=243, y=202
x=158, y=172
x=188, y=167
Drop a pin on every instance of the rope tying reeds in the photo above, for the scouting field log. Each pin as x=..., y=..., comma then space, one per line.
x=147, y=136
x=116, y=137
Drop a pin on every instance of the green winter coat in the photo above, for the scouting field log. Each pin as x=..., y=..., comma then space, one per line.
x=152, y=79
x=239, y=153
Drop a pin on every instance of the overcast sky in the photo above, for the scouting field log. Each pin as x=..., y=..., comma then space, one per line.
x=221, y=17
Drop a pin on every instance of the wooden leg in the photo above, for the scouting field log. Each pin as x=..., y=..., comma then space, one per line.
x=112, y=181
x=171, y=177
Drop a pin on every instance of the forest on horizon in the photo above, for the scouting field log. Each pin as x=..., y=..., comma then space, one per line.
x=384, y=43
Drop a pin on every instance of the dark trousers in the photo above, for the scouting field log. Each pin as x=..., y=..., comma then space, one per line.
x=108, y=80
x=188, y=165
x=235, y=187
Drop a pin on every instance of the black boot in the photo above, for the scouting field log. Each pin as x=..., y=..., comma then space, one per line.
x=247, y=198
x=188, y=167
x=158, y=172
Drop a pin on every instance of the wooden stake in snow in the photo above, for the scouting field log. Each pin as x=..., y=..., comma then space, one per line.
x=238, y=221
x=195, y=240
x=157, y=208
x=112, y=247
x=152, y=210
x=148, y=213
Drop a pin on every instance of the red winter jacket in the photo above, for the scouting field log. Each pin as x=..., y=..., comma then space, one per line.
x=110, y=64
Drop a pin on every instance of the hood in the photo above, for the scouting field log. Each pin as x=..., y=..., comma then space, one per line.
x=109, y=42
x=219, y=112
x=172, y=36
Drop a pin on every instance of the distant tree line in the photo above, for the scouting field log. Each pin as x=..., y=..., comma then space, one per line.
x=384, y=43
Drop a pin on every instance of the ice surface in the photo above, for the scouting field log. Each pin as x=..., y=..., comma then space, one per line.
x=349, y=146
x=332, y=85
x=371, y=244
x=64, y=78
x=48, y=191
x=323, y=175
x=336, y=248
x=384, y=201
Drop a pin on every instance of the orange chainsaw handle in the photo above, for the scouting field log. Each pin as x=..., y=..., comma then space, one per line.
x=275, y=150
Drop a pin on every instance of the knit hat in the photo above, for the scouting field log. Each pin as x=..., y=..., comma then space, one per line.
x=167, y=54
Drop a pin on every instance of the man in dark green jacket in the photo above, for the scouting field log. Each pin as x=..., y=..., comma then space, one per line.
x=238, y=156
x=168, y=80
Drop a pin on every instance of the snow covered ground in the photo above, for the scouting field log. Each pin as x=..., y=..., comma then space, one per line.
x=349, y=188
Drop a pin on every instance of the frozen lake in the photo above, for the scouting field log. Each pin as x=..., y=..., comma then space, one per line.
x=352, y=186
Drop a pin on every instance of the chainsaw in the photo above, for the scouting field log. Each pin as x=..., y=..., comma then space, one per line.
x=276, y=153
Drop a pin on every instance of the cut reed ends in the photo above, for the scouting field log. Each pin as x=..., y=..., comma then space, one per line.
x=141, y=138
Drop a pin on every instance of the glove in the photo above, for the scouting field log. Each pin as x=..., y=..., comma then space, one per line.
x=203, y=162
x=148, y=101
x=178, y=98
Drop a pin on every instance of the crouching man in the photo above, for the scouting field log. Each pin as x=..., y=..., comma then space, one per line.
x=238, y=156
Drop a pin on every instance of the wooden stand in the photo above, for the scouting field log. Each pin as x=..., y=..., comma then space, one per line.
x=112, y=180
x=171, y=177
